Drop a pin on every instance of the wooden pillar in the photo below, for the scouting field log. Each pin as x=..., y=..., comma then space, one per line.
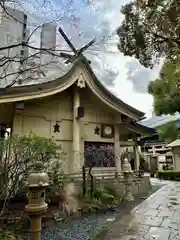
x=137, y=157
x=76, y=132
x=117, y=149
x=174, y=159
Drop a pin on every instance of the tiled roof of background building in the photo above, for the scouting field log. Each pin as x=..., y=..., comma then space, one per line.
x=157, y=121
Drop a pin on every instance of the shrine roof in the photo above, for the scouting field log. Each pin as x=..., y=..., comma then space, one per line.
x=141, y=129
x=66, y=78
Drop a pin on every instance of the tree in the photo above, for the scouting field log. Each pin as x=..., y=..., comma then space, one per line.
x=168, y=132
x=166, y=89
x=150, y=30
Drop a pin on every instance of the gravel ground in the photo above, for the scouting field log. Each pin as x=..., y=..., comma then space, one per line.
x=87, y=227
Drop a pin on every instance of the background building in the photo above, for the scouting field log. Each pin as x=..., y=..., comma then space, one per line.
x=157, y=121
x=13, y=30
x=154, y=150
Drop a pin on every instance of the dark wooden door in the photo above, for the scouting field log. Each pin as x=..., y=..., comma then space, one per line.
x=99, y=154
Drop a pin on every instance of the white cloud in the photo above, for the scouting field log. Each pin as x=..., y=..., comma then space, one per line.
x=129, y=86
x=111, y=67
x=122, y=75
x=141, y=76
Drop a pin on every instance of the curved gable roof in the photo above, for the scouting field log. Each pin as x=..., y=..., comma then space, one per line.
x=21, y=93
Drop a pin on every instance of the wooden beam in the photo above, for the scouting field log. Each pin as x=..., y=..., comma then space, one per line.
x=127, y=143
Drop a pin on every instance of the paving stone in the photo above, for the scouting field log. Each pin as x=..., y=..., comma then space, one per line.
x=174, y=235
x=176, y=217
x=166, y=213
x=171, y=223
x=151, y=221
x=127, y=237
x=152, y=212
x=143, y=229
x=158, y=217
x=158, y=233
x=168, y=224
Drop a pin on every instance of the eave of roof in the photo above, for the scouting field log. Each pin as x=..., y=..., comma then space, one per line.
x=51, y=87
x=157, y=121
x=136, y=127
x=175, y=143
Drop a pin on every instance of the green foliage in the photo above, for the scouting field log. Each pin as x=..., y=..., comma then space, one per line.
x=91, y=205
x=169, y=175
x=9, y=235
x=113, y=192
x=150, y=30
x=166, y=89
x=106, y=196
x=19, y=154
x=103, y=196
x=168, y=132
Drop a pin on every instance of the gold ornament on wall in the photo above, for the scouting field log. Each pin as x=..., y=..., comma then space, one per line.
x=81, y=81
x=107, y=131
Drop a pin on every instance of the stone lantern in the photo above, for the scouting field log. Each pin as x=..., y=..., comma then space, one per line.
x=37, y=183
x=127, y=171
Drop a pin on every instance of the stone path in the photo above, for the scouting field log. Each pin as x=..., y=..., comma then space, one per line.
x=156, y=218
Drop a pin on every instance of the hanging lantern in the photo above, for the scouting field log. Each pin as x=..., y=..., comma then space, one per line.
x=56, y=128
x=97, y=131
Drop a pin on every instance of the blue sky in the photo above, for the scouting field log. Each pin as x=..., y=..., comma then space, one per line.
x=124, y=76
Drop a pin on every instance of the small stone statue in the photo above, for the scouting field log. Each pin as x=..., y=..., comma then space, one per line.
x=126, y=166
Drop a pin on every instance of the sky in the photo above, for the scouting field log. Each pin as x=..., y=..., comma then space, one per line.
x=130, y=80
x=124, y=76
x=83, y=20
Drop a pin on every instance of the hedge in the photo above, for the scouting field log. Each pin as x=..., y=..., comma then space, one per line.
x=169, y=175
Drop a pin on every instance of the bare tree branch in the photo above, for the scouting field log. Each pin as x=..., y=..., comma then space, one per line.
x=13, y=64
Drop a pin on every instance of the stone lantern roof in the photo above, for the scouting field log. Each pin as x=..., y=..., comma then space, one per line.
x=38, y=178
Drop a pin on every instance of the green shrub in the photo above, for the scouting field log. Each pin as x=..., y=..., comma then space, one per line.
x=104, y=196
x=169, y=175
x=18, y=155
x=9, y=235
x=114, y=192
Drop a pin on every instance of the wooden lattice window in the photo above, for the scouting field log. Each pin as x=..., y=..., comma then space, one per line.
x=34, y=195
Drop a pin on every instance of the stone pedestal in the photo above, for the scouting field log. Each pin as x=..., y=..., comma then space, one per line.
x=128, y=187
x=36, y=207
x=128, y=173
